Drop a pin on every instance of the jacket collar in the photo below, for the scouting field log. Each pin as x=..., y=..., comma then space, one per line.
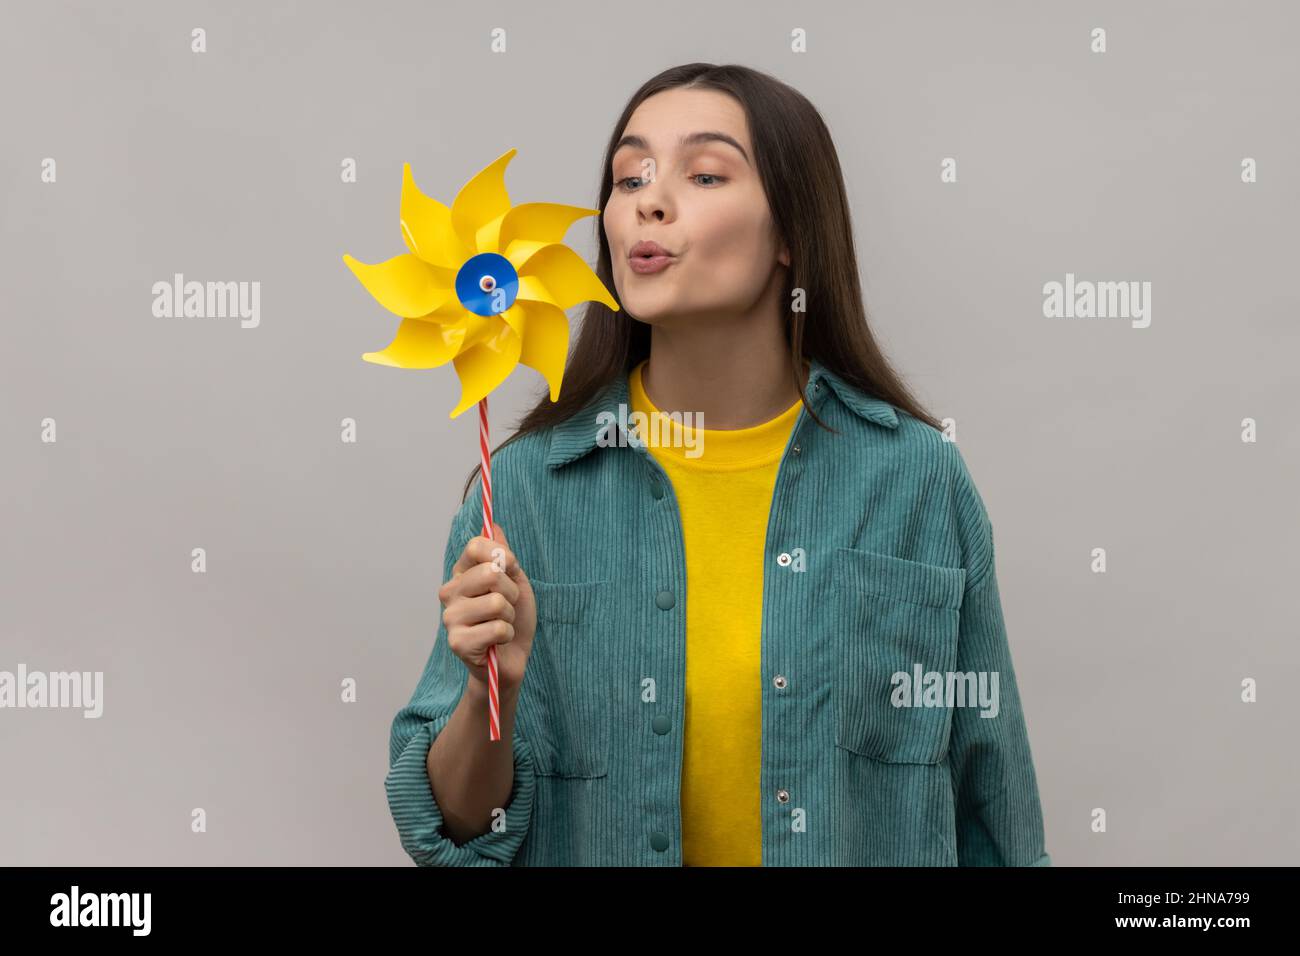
x=580, y=433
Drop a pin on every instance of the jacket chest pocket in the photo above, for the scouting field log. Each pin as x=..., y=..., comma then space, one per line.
x=565, y=699
x=893, y=617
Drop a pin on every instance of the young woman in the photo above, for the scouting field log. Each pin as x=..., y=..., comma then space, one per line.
x=766, y=634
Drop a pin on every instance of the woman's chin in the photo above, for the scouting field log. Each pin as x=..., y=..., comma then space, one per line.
x=652, y=309
x=653, y=315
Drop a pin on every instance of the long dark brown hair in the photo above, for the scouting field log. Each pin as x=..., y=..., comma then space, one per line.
x=801, y=176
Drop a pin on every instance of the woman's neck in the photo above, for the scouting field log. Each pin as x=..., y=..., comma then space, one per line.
x=734, y=374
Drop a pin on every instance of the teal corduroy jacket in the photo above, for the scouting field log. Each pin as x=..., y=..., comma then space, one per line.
x=878, y=564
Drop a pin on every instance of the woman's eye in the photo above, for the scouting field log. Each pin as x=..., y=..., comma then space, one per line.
x=622, y=184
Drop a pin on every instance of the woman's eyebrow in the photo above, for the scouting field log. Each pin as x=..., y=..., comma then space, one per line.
x=687, y=139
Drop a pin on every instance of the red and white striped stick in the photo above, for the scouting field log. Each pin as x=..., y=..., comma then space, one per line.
x=494, y=702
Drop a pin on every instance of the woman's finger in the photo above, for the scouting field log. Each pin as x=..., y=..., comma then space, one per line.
x=469, y=611
x=470, y=643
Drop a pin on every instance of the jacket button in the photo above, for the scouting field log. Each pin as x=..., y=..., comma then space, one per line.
x=665, y=600
x=662, y=724
x=782, y=796
x=795, y=449
x=656, y=489
x=659, y=841
x=779, y=682
x=783, y=559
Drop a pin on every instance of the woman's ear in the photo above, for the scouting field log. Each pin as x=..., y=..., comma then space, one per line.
x=783, y=257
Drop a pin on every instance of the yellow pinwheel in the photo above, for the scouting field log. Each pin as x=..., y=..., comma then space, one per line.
x=485, y=284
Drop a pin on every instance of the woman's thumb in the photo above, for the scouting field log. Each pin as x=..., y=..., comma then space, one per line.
x=499, y=536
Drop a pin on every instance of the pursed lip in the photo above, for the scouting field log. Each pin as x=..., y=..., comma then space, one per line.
x=646, y=249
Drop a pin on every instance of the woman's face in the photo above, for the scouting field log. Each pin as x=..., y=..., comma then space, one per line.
x=701, y=201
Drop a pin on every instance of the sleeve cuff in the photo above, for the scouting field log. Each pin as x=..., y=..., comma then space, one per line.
x=419, y=821
x=1044, y=860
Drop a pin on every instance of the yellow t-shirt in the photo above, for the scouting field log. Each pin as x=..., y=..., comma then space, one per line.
x=724, y=491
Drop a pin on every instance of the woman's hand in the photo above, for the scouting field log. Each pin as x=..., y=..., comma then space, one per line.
x=489, y=601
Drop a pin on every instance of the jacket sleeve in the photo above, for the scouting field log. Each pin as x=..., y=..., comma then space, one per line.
x=410, y=797
x=999, y=819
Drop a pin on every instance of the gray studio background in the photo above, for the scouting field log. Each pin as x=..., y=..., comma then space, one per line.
x=222, y=690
